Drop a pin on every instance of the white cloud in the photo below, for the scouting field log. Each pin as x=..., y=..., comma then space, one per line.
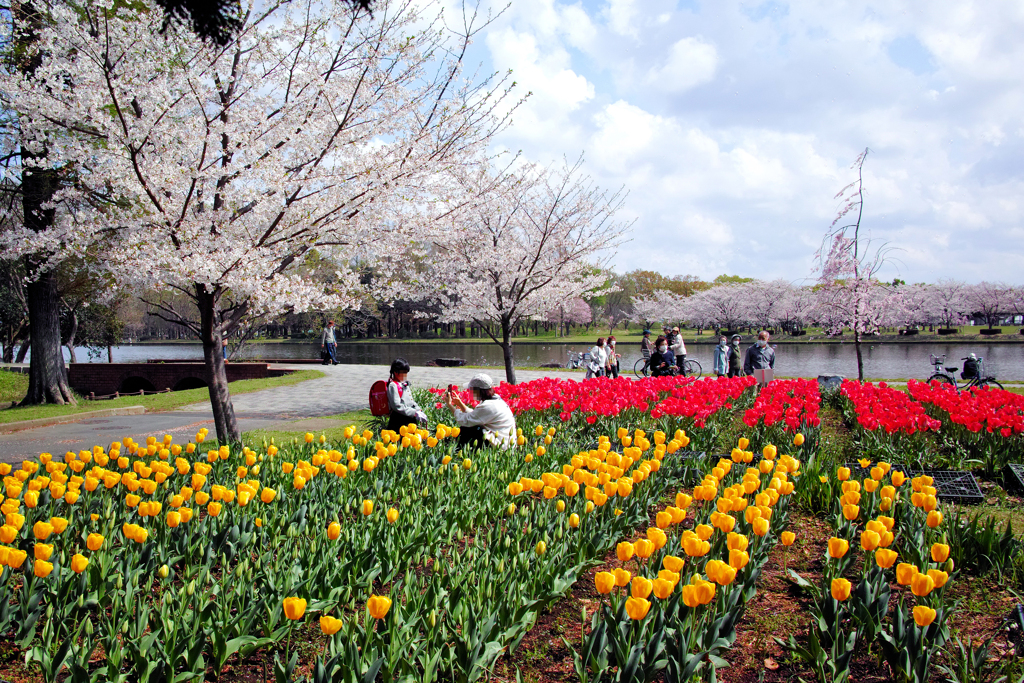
x=733, y=125
x=691, y=62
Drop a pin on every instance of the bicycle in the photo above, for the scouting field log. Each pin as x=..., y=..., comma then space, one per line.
x=577, y=360
x=948, y=376
x=642, y=368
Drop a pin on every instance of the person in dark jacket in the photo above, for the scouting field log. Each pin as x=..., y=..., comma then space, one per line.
x=735, y=365
x=663, y=361
x=759, y=355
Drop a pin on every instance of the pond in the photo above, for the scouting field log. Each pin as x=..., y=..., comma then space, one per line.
x=893, y=360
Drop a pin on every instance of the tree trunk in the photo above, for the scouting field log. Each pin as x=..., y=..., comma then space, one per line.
x=23, y=350
x=506, y=351
x=71, y=337
x=860, y=358
x=216, y=376
x=110, y=353
x=47, y=378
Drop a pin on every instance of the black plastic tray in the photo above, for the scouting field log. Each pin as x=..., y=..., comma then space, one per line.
x=955, y=486
x=1013, y=477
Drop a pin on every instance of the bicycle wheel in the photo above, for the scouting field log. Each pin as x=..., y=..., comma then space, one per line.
x=640, y=368
x=943, y=379
x=693, y=368
x=990, y=382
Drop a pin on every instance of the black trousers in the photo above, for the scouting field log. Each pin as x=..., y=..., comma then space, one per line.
x=472, y=437
x=396, y=421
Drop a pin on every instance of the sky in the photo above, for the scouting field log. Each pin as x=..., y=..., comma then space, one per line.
x=733, y=125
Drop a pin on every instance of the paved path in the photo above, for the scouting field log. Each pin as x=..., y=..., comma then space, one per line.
x=343, y=389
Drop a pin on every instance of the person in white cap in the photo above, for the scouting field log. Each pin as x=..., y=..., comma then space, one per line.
x=491, y=422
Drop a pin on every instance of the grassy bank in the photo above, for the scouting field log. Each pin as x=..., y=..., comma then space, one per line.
x=14, y=385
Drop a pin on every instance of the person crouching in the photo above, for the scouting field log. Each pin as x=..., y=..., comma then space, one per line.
x=490, y=423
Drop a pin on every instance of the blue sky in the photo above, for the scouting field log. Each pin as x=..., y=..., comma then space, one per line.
x=734, y=124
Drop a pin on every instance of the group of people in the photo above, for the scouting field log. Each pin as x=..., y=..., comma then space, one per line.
x=491, y=422
x=604, y=361
x=726, y=357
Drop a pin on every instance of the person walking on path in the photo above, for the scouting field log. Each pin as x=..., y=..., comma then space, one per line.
x=735, y=365
x=328, y=344
x=720, y=358
x=598, y=359
x=678, y=348
x=759, y=355
x=404, y=409
x=491, y=422
x=611, y=366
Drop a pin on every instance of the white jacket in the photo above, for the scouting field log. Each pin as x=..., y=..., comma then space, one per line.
x=496, y=418
x=598, y=358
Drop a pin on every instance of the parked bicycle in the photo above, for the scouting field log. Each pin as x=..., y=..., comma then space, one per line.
x=948, y=375
x=577, y=360
x=642, y=368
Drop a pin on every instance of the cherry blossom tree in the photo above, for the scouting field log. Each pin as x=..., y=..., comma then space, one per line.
x=723, y=306
x=660, y=306
x=849, y=294
x=947, y=303
x=763, y=301
x=533, y=237
x=573, y=312
x=794, y=308
x=990, y=300
x=214, y=171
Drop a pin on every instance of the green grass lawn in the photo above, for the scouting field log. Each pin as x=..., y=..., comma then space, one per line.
x=13, y=387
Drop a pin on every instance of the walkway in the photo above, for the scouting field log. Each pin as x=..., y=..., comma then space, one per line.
x=344, y=388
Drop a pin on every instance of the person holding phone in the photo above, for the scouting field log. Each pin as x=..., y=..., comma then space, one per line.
x=490, y=423
x=404, y=409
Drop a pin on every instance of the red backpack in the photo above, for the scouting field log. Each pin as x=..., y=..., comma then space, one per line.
x=379, y=405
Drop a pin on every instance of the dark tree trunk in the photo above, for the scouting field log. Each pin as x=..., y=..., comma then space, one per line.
x=110, y=353
x=860, y=357
x=506, y=352
x=23, y=350
x=216, y=376
x=47, y=378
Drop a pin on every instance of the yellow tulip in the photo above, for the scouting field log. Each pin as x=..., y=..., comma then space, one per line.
x=94, y=542
x=798, y=440
x=378, y=606
x=624, y=551
x=837, y=547
x=392, y=515
x=637, y=608
x=15, y=558
x=330, y=625
x=294, y=608
x=42, y=551
x=885, y=558
x=940, y=552
x=869, y=540
x=644, y=548
x=540, y=548
x=640, y=587
x=738, y=559
x=934, y=519
x=78, y=563
x=574, y=520
x=604, y=582
x=922, y=584
x=42, y=530
x=267, y=495
x=41, y=568
x=905, y=573
x=841, y=589
x=622, y=577
x=367, y=507
x=673, y=563
x=923, y=615
x=663, y=588
x=939, y=578
x=333, y=531
x=788, y=537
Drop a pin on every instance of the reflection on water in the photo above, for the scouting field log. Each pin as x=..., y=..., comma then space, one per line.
x=1005, y=361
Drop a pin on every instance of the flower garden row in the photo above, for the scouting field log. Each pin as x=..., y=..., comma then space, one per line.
x=418, y=563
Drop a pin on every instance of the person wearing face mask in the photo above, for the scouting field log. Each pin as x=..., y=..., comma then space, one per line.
x=677, y=347
x=720, y=358
x=663, y=361
x=598, y=359
x=735, y=369
x=759, y=355
x=611, y=365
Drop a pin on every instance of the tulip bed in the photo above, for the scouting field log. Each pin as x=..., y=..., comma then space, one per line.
x=392, y=557
x=889, y=424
